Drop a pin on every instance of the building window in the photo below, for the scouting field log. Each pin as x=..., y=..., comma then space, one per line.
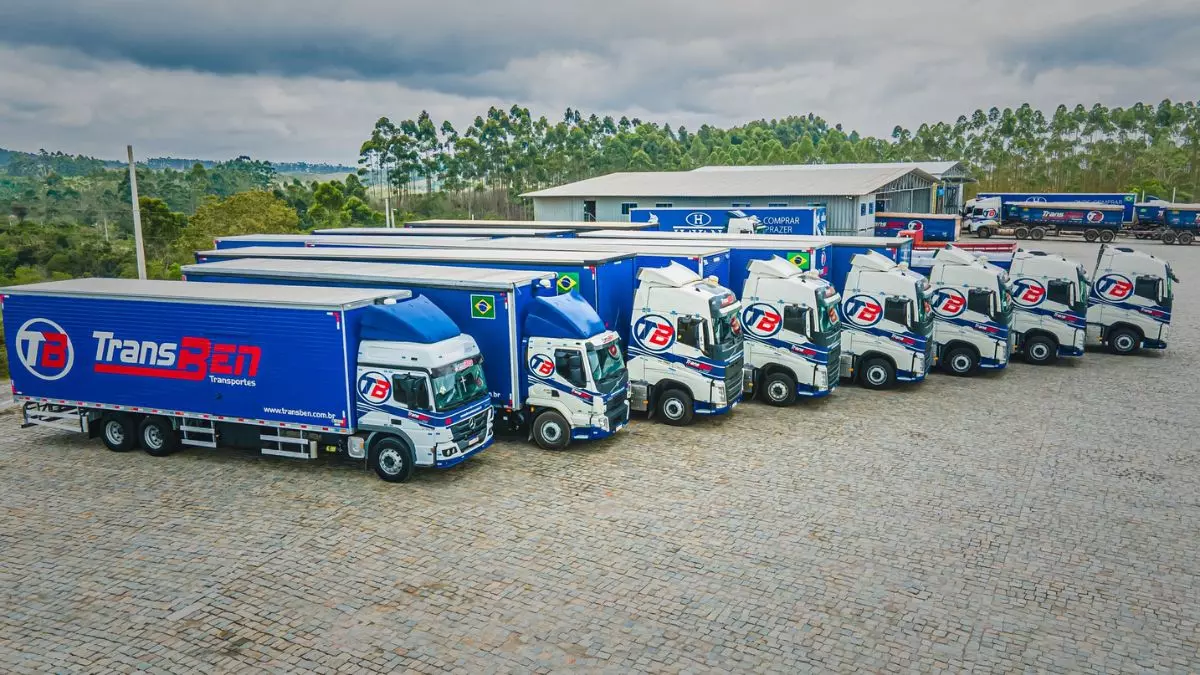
x=883, y=205
x=626, y=207
x=862, y=209
x=739, y=205
x=777, y=205
x=664, y=205
x=871, y=207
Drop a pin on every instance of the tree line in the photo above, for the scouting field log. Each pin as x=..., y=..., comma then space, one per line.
x=1144, y=147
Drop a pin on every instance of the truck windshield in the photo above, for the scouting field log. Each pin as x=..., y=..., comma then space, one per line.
x=727, y=335
x=828, y=324
x=608, y=367
x=458, y=383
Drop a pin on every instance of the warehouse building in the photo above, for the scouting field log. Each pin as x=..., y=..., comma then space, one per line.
x=950, y=179
x=849, y=192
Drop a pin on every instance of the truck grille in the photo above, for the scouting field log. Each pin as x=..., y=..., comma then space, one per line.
x=835, y=364
x=733, y=379
x=615, y=403
x=617, y=415
x=469, y=427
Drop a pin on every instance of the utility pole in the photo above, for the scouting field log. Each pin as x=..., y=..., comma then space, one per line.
x=137, y=216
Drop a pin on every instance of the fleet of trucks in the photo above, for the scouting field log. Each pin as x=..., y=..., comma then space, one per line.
x=285, y=371
x=802, y=220
x=409, y=348
x=554, y=371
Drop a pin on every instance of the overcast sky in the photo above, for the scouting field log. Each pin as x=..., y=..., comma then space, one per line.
x=304, y=80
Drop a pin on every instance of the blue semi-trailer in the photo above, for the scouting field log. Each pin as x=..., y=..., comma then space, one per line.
x=800, y=220
x=554, y=371
x=286, y=371
x=1181, y=223
x=476, y=232
x=243, y=240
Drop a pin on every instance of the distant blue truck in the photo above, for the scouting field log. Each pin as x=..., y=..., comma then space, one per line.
x=288, y=372
x=932, y=226
x=1009, y=200
x=1182, y=223
x=801, y=220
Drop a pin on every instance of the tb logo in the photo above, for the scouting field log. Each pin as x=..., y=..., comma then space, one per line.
x=44, y=349
x=862, y=310
x=654, y=333
x=1028, y=292
x=374, y=387
x=541, y=365
x=1114, y=287
x=1095, y=217
x=762, y=320
x=949, y=302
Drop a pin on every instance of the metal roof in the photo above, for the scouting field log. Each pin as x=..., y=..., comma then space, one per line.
x=622, y=245
x=854, y=180
x=249, y=294
x=935, y=169
x=416, y=255
x=372, y=272
x=359, y=240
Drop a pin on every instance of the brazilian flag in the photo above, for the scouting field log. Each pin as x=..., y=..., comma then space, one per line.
x=567, y=282
x=483, y=306
x=800, y=259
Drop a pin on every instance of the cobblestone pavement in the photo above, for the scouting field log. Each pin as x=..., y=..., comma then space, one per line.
x=1039, y=519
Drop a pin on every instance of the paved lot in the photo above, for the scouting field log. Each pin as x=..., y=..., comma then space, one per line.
x=1042, y=519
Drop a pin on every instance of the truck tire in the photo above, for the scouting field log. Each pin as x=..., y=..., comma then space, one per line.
x=392, y=460
x=961, y=361
x=676, y=407
x=877, y=374
x=1040, y=351
x=1107, y=236
x=1091, y=235
x=1168, y=236
x=1037, y=233
x=1124, y=341
x=119, y=433
x=157, y=437
x=984, y=232
x=1022, y=232
x=1185, y=238
x=779, y=389
x=551, y=431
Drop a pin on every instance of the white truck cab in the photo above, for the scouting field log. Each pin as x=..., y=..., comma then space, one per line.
x=887, y=324
x=740, y=223
x=1129, y=307
x=983, y=217
x=792, y=332
x=434, y=394
x=1049, y=306
x=685, y=347
x=972, y=309
x=583, y=381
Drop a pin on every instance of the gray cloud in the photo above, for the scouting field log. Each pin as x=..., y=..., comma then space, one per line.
x=302, y=79
x=1140, y=37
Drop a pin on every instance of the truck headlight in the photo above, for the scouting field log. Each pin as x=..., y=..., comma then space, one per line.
x=718, y=390
x=821, y=378
x=601, y=422
x=1079, y=338
x=919, y=363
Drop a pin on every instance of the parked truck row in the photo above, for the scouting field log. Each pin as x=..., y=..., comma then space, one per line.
x=405, y=351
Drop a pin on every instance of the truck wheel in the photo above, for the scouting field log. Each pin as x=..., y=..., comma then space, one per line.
x=984, y=232
x=1037, y=233
x=961, y=361
x=1040, y=351
x=1107, y=236
x=675, y=407
x=1091, y=235
x=1185, y=238
x=878, y=374
x=1124, y=341
x=158, y=437
x=1168, y=237
x=118, y=433
x=780, y=389
x=551, y=431
x=392, y=460
x=1022, y=232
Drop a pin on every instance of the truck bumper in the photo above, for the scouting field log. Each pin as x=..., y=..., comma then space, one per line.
x=440, y=463
x=809, y=391
x=709, y=410
x=1153, y=344
x=1069, y=351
